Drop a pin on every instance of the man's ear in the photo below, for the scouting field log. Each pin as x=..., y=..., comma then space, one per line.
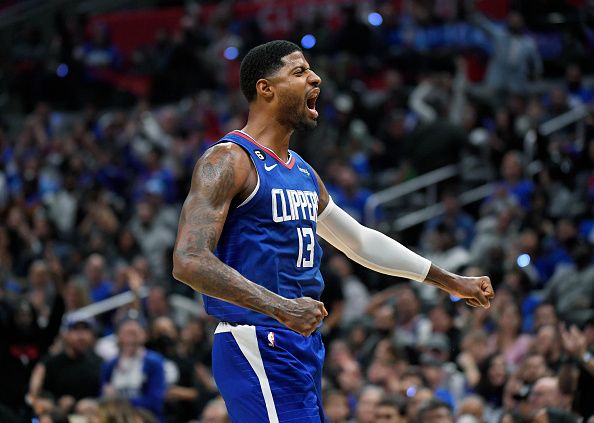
x=264, y=89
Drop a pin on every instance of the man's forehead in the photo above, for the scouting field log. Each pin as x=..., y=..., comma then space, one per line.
x=295, y=59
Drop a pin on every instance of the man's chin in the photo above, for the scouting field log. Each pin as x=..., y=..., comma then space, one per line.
x=307, y=124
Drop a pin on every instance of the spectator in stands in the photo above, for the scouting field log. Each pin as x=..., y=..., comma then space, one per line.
x=571, y=289
x=136, y=373
x=356, y=294
x=472, y=406
x=474, y=352
x=515, y=60
x=578, y=369
x=507, y=338
x=459, y=223
x=390, y=410
x=154, y=238
x=367, y=403
x=547, y=344
x=417, y=397
x=435, y=410
x=493, y=377
x=23, y=342
x=544, y=315
x=215, y=412
x=96, y=278
x=444, y=251
x=424, y=154
x=546, y=393
x=336, y=407
x=181, y=397
x=76, y=294
x=72, y=374
x=513, y=188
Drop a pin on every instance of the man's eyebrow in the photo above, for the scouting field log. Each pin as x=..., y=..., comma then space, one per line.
x=300, y=66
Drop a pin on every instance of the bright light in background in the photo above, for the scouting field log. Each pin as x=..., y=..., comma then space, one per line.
x=62, y=70
x=454, y=298
x=308, y=41
x=375, y=19
x=231, y=53
x=523, y=260
x=411, y=391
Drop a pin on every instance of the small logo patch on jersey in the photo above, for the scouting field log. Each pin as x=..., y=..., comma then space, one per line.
x=260, y=154
x=269, y=168
x=302, y=170
x=271, y=339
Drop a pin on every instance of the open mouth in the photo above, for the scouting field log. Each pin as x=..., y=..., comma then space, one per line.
x=311, y=103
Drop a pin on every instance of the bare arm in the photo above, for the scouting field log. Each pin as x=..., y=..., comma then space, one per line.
x=224, y=172
x=378, y=252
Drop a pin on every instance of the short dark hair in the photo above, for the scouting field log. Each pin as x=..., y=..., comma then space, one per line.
x=261, y=62
x=398, y=402
x=430, y=405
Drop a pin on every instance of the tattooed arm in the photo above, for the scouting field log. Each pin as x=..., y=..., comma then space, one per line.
x=225, y=172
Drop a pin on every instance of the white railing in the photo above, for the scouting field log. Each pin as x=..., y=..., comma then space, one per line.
x=428, y=179
x=575, y=115
x=186, y=305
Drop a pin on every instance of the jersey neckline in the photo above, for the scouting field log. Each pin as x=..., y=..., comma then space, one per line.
x=288, y=165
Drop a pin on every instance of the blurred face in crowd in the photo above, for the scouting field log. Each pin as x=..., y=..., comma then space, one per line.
x=509, y=321
x=350, y=377
x=95, y=268
x=515, y=23
x=547, y=343
x=415, y=401
x=475, y=343
x=336, y=407
x=38, y=274
x=437, y=415
x=75, y=295
x=368, y=401
x=387, y=414
x=511, y=167
x=545, y=315
x=131, y=337
x=497, y=372
x=441, y=321
x=472, y=406
x=79, y=339
x=215, y=412
x=156, y=302
x=545, y=393
x=534, y=368
x=145, y=213
x=407, y=305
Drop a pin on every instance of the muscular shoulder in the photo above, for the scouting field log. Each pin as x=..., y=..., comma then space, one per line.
x=225, y=168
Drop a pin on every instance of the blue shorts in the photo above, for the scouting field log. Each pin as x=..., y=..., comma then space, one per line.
x=268, y=374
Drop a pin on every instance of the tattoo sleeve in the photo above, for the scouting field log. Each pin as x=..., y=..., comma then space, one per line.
x=217, y=178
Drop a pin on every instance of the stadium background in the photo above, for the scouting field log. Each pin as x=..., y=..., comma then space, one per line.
x=446, y=124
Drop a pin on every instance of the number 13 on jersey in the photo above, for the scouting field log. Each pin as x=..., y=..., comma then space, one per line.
x=306, y=247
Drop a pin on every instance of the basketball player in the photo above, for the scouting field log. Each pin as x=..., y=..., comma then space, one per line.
x=247, y=241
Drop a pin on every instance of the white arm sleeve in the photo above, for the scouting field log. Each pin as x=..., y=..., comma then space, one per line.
x=368, y=247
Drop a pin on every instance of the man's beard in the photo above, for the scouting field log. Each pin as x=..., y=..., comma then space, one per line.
x=294, y=116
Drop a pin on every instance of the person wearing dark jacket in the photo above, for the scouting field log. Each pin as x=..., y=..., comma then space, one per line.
x=22, y=343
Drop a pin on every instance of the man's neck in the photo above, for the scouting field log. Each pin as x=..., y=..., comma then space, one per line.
x=269, y=133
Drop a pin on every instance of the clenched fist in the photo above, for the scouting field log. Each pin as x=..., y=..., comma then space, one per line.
x=477, y=291
x=303, y=315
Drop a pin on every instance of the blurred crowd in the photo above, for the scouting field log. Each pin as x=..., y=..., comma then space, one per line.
x=92, y=180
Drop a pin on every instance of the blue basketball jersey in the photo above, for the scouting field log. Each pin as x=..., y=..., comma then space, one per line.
x=271, y=237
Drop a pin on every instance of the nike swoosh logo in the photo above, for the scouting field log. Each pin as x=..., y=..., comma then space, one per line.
x=269, y=168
